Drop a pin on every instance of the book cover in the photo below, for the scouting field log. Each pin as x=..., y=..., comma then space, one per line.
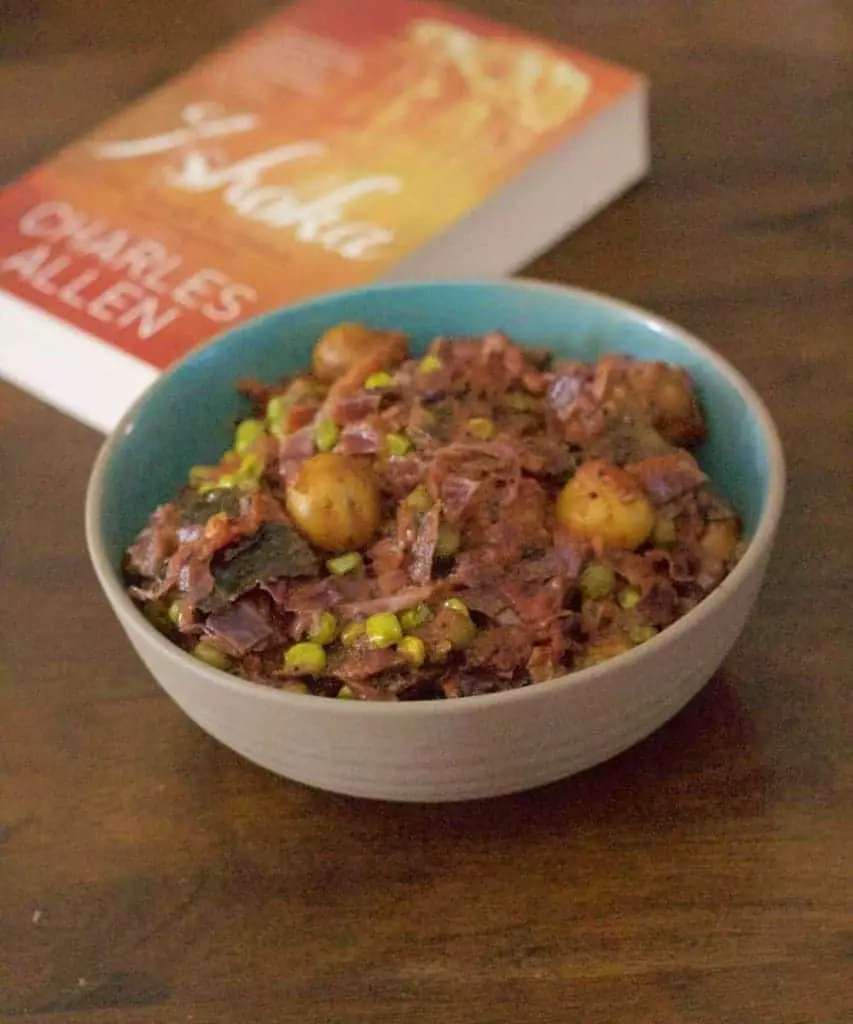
x=316, y=152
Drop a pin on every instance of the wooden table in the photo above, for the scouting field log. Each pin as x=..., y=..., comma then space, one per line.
x=148, y=875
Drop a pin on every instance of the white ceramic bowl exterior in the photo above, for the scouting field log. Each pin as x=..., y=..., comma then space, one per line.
x=484, y=747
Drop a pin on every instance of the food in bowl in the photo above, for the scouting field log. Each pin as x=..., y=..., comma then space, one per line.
x=481, y=518
x=443, y=749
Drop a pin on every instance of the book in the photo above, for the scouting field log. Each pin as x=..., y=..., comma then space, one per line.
x=337, y=143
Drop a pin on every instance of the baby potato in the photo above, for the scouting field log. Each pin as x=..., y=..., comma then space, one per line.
x=669, y=398
x=348, y=344
x=334, y=501
x=665, y=532
x=720, y=539
x=604, y=504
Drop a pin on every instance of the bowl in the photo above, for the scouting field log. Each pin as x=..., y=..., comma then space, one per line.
x=470, y=747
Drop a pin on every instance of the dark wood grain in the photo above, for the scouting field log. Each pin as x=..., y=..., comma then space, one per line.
x=149, y=876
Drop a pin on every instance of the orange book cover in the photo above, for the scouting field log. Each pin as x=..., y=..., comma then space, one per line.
x=317, y=151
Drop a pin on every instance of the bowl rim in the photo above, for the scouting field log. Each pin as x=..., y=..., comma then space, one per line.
x=759, y=544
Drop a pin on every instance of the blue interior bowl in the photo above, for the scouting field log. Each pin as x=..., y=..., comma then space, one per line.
x=187, y=416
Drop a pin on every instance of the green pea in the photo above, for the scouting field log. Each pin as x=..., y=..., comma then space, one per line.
x=640, y=634
x=276, y=414
x=343, y=564
x=448, y=540
x=251, y=468
x=461, y=631
x=454, y=604
x=159, y=615
x=325, y=629
x=351, y=632
x=383, y=629
x=419, y=499
x=597, y=581
x=345, y=693
x=224, y=482
x=429, y=364
x=378, y=380
x=205, y=651
x=413, y=650
x=247, y=433
x=518, y=401
x=305, y=658
x=294, y=686
x=664, y=534
x=326, y=435
x=412, y=618
x=397, y=444
x=482, y=428
x=175, y=610
x=207, y=478
x=628, y=597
